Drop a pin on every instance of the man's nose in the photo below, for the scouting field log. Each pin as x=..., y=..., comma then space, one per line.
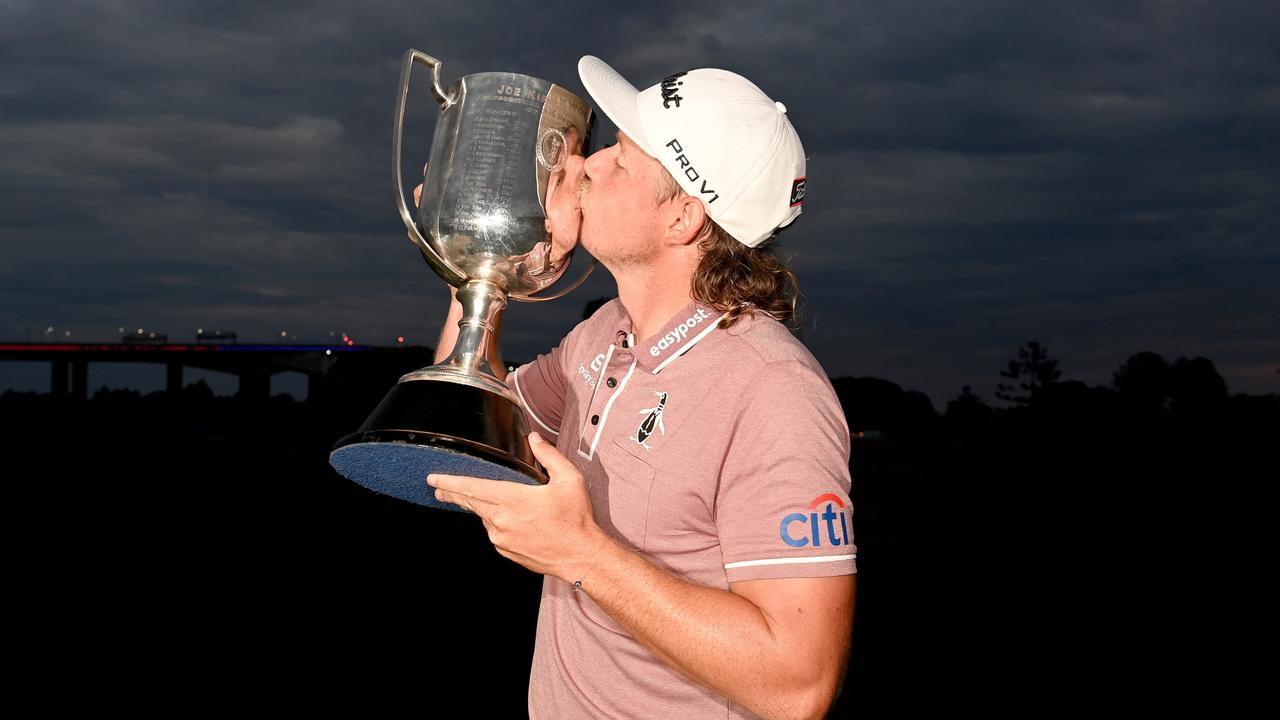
x=593, y=162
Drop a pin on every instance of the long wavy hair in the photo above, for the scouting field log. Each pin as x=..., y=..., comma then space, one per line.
x=736, y=279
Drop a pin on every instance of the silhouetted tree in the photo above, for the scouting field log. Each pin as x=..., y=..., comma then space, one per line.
x=1143, y=381
x=1255, y=416
x=1074, y=408
x=876, y=404
x=968, y=408
x=967, y=416
x=1195, y=386
x=1032, y=371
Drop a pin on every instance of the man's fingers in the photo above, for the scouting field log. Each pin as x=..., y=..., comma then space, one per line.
x=557, y=465
x=568, y=180
x=445, y=496
x=417, y=192
x=417, y=202
x=564, y=211
x=458, y=489
x=555, y=184
x=575, y=168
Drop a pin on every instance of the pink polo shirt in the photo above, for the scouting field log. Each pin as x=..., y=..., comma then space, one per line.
x=720, y=454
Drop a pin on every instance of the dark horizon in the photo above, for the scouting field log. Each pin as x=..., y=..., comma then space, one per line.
x=293, y=371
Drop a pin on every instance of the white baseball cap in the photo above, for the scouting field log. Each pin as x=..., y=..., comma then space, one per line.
x=720, y=137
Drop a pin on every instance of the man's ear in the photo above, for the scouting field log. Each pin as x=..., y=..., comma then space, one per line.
x=683, y=217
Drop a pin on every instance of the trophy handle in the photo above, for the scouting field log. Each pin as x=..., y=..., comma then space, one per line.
x=438, y=263
x=566, y=291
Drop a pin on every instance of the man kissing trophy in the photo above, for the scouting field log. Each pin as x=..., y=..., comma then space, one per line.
x=498, y=154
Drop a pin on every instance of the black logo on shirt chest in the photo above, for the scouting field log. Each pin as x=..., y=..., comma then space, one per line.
x=653, y=420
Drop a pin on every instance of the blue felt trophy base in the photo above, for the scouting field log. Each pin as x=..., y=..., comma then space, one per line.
x=428, y=426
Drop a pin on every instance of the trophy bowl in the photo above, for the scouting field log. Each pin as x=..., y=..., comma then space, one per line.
x=499, y=143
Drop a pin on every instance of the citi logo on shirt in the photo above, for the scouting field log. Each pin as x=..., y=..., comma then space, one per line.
x=804, y=529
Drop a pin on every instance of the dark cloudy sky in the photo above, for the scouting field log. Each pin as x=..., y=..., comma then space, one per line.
x=1098, y=176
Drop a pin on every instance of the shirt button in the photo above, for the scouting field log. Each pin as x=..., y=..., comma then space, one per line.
x=613, y=382
x=595, y=419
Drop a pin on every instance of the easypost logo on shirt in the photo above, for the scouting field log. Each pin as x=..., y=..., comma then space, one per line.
x=679, y=332
x=824, y=521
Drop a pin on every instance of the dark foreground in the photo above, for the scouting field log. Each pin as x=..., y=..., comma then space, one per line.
x=198, y=552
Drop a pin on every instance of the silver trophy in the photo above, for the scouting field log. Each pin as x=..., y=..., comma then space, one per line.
x=500, y=141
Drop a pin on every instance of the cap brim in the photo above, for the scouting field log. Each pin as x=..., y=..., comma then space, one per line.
x=616, y=98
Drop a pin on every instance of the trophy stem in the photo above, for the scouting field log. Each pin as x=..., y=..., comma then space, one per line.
x=482, y=302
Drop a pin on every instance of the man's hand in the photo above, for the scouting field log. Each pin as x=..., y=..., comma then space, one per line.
x=548, y=529
x=564, y=213
x=742, y=643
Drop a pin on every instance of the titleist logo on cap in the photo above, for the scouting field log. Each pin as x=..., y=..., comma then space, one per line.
x=797, y=192
x=721, y=132
x=670, y=90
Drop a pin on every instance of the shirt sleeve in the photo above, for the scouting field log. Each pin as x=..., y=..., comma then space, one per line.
x=541, y=388
x=782, y=505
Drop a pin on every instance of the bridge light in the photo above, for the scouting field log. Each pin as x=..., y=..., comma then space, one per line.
x=328, y=352
x=400, y=338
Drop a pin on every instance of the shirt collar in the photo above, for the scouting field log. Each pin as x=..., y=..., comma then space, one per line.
x=685, y=329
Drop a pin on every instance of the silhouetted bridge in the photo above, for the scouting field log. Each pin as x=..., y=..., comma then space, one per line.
x=253, y=364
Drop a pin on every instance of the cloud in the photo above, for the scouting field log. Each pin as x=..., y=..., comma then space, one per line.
x=1096, y=175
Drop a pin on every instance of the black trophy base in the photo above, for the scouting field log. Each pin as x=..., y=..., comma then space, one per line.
x=436, y=426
